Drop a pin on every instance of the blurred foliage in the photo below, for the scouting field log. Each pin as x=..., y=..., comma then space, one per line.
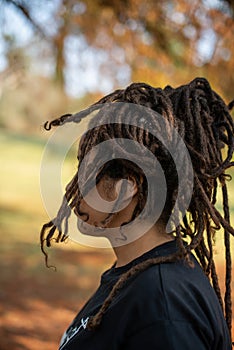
x=159, y=42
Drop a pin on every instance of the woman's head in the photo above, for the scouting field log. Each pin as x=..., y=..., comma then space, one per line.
x=202, y=120
x=130, y=141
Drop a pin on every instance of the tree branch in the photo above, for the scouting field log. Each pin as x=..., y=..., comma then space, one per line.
x=26, y=13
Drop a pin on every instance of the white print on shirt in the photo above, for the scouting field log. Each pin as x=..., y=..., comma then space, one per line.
x=72, y=331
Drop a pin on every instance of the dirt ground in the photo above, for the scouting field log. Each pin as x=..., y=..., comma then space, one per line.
x=36, y=303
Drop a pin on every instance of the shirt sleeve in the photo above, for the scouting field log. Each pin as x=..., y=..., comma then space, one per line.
x=168, y=335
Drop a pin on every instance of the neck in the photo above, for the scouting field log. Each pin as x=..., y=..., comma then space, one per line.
x=151, y=239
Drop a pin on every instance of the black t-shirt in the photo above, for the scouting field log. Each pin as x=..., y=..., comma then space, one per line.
x=169, y=306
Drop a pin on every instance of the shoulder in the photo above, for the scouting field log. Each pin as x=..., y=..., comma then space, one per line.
x=165, y=276
x=173, y=289
x=171, y=275
x=172, y=294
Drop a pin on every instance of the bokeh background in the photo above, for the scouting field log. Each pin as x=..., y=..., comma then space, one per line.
x=57, y=57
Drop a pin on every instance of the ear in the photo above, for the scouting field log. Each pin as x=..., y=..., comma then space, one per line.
x=128, y=185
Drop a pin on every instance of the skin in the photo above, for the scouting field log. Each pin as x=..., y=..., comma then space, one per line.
x=108, y=189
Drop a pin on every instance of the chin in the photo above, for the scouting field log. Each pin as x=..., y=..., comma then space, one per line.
x=90, y=230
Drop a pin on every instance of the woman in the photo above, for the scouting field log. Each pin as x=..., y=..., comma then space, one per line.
x=160, y=217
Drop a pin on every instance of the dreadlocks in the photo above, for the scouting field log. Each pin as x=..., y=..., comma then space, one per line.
x=203, y=121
